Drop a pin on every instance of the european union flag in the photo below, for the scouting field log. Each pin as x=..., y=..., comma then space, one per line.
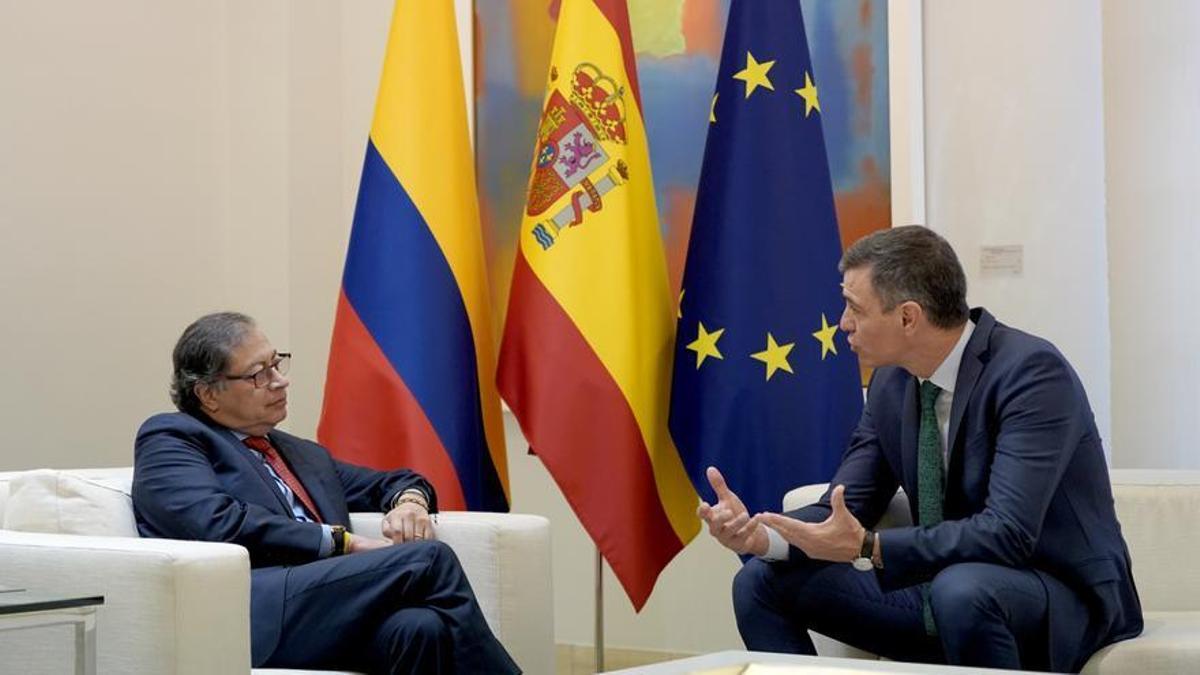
x=765, y=386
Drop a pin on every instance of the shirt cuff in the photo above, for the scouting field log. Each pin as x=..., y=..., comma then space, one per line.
x=326, y=541
x=777, y=546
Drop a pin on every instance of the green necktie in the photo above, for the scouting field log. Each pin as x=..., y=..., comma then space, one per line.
x=930, y=479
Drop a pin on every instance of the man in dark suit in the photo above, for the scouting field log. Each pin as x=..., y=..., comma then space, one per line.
x=321, y=596
x=1016, y=559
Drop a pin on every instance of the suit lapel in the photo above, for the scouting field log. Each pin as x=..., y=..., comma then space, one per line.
x=257, y=466
x=308, y=475
x=968, y=374
x=910, y=424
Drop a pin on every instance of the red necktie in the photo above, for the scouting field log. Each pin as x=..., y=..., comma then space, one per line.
x=271, y=455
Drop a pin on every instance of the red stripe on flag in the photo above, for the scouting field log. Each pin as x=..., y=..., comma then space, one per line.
x=617, y=13
x=370, y=417
x=595, y=451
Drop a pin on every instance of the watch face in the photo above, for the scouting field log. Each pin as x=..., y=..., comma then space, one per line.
x=863, y=564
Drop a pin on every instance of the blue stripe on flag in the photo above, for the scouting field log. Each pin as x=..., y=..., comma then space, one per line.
x=400, y=284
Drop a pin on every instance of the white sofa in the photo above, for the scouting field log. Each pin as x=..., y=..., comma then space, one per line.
x=182, y=607
x=1160, y=518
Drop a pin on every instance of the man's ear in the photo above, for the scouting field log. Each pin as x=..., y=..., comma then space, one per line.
x=208, y=397
x=910, y=315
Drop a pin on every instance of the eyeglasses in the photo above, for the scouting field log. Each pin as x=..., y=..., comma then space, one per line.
x=262, y=378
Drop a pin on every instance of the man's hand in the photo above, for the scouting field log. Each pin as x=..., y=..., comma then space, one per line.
x=409, y=521
x=838, y=538
x=359, y=543
x=729, y=522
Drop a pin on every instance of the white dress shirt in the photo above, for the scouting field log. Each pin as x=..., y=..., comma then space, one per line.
x=944, y=377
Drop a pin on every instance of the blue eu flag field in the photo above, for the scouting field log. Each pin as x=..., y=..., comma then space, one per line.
x=765, y=386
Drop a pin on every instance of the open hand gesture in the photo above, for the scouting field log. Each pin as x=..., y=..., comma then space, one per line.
x=729, y=522
x=838, y=538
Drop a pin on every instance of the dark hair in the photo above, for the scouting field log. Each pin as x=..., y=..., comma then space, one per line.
x=913, y=263
x=202, y=354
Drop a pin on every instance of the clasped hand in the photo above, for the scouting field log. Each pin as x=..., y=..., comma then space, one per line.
x=838, y=538
x=409, y=521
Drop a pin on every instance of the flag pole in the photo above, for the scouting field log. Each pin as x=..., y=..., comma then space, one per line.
x=599, y=611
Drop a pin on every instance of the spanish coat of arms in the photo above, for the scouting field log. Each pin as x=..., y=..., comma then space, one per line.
x=570, y=158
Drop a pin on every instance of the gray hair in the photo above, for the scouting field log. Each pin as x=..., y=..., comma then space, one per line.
x=202, y=354
x=913, y=263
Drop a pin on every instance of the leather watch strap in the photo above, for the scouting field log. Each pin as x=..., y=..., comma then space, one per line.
x=868, y=545
x=338, y=532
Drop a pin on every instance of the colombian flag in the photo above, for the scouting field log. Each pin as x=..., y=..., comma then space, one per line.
x=586, y=359
x=412, y=367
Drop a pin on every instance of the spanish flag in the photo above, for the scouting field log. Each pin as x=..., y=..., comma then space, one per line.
x=585, y=361
x=411, y=378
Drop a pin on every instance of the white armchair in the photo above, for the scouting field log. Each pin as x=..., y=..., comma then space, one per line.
x=183, y=607
x=1158, y=511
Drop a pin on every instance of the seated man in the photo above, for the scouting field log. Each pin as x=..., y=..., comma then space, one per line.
x=1016, y=559
x=320, y=596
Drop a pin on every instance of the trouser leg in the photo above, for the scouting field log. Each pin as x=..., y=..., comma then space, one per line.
x=991, y=616
x=776, y=603
x=413, y=640
x=335, y=608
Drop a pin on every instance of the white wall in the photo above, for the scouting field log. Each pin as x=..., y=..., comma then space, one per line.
x=142, y=156
x=1015, y=155
x=160, y=160
x=1152, y=142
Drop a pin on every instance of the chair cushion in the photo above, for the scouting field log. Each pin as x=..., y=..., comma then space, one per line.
x=51, y=501
x=1156, y=518
x=1170, y=643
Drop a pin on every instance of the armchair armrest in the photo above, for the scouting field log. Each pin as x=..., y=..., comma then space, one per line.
x=170, y=606
x=506, y=557
x=896, y=515
x=803, y=496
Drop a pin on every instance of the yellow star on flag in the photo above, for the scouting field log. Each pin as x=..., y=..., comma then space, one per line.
x=775, y=356
x=809, y=94
x=825, y=337
x=755, y=74
x=712, y=109
x=705, y=345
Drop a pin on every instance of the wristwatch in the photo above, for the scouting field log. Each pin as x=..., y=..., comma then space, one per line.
x=863, y=562
x=338, y=532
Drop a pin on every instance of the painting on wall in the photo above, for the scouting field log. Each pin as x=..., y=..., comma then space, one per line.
x=678, y=45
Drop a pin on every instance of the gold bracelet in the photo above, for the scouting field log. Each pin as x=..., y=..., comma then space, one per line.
x=412, y=499
x=411, y=493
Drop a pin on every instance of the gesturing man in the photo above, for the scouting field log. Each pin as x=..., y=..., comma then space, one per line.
x=1015, y=558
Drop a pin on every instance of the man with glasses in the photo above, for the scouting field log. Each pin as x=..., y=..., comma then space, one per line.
x=321, y=596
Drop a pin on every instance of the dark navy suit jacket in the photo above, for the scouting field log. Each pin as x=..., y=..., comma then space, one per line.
x=193, y=479
x=1027, y=485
